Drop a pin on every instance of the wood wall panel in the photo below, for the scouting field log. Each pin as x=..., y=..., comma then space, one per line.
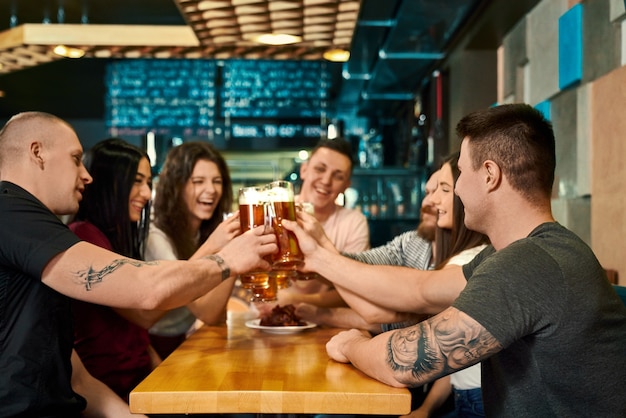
x=608, y=133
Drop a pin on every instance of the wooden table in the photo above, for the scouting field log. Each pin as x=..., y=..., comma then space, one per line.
x=235, y=369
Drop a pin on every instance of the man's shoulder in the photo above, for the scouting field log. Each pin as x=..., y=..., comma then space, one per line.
x=10, y=189
x=19, y=201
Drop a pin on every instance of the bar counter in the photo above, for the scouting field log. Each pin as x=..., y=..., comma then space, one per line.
x=236, y=369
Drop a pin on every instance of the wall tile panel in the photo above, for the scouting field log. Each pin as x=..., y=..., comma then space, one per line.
x=601, y=40
x=608, y=170
x=564, y=124
x=515, y=56
x=543, y=49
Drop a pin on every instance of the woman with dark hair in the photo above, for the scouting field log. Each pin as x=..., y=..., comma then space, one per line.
x=452, y=236
x=454, y=245
x=192, y=202
x=113, y=343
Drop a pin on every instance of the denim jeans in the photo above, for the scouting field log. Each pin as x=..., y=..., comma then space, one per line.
x=468, y=403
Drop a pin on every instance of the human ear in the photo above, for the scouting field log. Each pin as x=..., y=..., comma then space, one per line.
x=303, y=168
x=36, y=153
x=493, y=174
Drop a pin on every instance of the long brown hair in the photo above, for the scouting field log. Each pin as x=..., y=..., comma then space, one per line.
x=171, y=214
x=450, y=242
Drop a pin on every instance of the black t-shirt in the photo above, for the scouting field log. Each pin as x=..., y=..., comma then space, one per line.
x=36, y=333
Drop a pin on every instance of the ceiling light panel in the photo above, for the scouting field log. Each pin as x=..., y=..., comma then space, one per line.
x=216, y=29
x=322, y=24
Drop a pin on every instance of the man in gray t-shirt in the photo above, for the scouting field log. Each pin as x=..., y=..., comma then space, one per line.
x=536, y=309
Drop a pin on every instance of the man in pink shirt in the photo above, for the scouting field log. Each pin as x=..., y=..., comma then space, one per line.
x=326, y=174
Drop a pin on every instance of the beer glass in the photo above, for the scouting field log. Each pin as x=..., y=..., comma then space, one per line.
x=265, y=292
x=280, y=198
x=300, y=275
x=283, y=278
x=252, y=213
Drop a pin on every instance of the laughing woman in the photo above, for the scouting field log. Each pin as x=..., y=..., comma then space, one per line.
x=113, y=343
x=193, y=195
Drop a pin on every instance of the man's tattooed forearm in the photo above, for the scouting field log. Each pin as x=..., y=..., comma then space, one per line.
x=447, y=342
x=89, y=277
x=410, y=350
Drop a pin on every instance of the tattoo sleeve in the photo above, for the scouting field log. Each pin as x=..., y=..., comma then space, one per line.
x=441, y=345
x=90, y=276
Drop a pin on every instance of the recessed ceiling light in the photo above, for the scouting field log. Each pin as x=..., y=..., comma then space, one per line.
x=276, y=39
x=337, y=55
x=68, y=52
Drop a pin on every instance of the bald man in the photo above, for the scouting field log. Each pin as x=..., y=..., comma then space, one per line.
x=43, y=265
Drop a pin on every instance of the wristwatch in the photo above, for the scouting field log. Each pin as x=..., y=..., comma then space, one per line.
x=222, y=265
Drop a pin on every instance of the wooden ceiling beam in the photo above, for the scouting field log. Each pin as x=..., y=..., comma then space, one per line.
x=78, y=34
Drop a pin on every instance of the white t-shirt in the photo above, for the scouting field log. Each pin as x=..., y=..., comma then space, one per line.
x=467, y=378
x=179, y=320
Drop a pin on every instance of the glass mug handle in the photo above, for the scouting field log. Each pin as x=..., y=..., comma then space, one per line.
x=269, y=214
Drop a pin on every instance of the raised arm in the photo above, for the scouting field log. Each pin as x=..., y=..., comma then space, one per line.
x=393, y=288
x=90, y=273
x=412, y=356
x=211, y=307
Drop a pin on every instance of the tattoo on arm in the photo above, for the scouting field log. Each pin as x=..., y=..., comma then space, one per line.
x=90, y=276
x=441, y=345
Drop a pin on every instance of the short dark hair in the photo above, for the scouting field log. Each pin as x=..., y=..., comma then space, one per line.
x=338, y=144
x=520, y=140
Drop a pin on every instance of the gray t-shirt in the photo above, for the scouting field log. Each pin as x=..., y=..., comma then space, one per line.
x=546, y=299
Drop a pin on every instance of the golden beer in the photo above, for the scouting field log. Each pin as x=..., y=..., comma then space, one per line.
x=252, y=214
x=265, y=292
x=281, y=206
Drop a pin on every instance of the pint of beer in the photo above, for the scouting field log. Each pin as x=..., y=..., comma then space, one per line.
x=281, y=206
x=252, y=208
x=264, y=292
x=283, y=278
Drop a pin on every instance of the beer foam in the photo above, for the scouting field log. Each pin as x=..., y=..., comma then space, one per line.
x=281, y=194
x=252, y=196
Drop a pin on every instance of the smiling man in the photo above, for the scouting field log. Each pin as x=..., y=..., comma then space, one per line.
x=325, y=175
x=43, y=265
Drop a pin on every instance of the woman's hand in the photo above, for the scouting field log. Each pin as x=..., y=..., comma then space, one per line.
x=225, y=231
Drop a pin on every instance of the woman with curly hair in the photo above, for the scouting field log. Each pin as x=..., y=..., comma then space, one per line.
x=192, y=198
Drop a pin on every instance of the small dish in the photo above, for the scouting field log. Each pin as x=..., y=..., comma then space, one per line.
x=256, y=324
